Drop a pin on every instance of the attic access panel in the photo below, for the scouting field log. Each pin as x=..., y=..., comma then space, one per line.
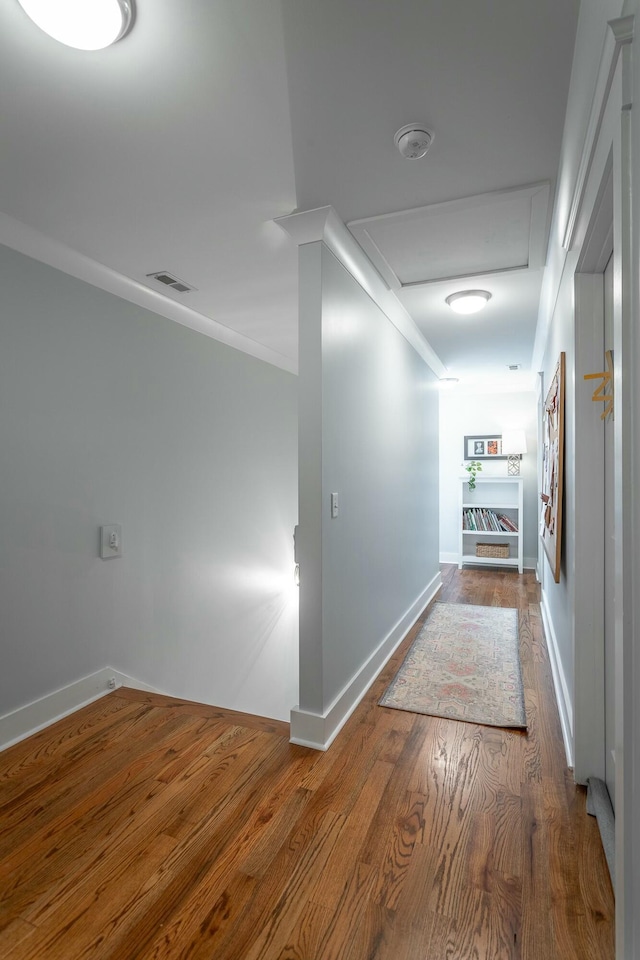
x=488, y=233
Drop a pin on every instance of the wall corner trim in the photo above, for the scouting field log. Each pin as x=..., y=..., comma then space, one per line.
x=324, y=224
x=565, y=706
x=619, y=33
x=318, y=731
x=32, y=717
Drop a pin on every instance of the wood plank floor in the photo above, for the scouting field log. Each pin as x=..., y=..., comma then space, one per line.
x=143, y=827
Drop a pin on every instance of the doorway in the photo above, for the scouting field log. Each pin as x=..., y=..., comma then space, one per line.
x=594, y=577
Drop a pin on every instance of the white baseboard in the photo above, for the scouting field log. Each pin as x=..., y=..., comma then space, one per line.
x=528, y=563
x=449, y=558
x=565, y=707
x=41, y=713
x=320, y=730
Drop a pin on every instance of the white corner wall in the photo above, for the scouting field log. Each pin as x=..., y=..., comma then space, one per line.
x=473, y=412
x=111, y=413
x=368, y=432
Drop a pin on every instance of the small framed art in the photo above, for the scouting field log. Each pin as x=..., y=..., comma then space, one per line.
x=484, y=446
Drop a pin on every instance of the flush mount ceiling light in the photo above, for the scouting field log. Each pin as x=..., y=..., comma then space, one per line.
x=469, y=301
x=84, y=24
x=445, y=383
x=413, y=140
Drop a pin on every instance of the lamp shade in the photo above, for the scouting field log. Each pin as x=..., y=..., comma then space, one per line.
x=514, y=442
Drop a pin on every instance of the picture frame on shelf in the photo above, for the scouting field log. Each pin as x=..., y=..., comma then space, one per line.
x=484, y=446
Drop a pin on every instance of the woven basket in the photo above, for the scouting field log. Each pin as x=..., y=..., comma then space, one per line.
x=492, y=550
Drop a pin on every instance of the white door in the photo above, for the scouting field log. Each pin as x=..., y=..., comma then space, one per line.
x=609, y=557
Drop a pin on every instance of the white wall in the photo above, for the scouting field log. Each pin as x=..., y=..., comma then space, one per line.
x=465, y=412
x=113, y=414
x=368, y=431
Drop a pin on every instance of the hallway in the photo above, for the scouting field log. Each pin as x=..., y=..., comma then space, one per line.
x=148, y=827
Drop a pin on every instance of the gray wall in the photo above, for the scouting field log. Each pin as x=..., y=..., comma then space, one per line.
x=559, y=596
x=372, y=437
x=110, y=413
x=557, y=308
x=580, y=650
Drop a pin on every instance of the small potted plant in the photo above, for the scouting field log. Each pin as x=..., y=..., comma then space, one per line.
x=473, y=467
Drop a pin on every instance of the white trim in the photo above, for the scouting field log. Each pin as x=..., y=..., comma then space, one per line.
x=28, y=719
x=625, y=322
x=324, y=224
x=565, y=707
x=319, y=731
x=19, y=236
x=587, y=571
x=621, y=32
x=448, y=557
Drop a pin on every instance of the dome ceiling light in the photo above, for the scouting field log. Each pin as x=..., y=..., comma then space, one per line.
x=468, y=301
x=83, y=24
x=413, y=140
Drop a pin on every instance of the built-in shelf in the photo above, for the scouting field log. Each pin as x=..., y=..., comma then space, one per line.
x=492, y=561
x=494, y=533
x=501, y=495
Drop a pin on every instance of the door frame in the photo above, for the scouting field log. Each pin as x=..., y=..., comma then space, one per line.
x=603, y=221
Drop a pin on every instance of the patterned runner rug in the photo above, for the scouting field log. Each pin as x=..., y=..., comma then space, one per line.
x=464, y=664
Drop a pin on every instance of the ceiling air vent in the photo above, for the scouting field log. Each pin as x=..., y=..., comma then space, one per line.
x=170, y=281
x=514, y=366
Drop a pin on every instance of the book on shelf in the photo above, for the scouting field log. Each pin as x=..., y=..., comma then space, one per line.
x=482, y=519
x=507, y=523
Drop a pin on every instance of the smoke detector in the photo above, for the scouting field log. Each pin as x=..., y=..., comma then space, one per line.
x=413, y=140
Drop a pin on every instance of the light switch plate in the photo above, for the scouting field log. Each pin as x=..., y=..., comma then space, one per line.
x=111, y=541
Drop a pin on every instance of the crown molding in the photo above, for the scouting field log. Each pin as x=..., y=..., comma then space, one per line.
x=25, y=239
x=323, y=224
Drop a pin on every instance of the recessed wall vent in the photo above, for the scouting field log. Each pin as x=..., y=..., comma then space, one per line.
x=170, y=281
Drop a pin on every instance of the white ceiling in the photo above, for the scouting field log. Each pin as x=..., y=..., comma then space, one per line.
x=176, y=149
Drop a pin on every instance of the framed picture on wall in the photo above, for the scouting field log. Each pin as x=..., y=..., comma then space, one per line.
x=553, y=469
x=484, y=446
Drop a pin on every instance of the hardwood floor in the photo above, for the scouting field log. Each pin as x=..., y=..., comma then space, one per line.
x=143, y=827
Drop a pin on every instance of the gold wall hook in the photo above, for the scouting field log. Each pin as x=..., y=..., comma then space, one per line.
x=606, y=378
